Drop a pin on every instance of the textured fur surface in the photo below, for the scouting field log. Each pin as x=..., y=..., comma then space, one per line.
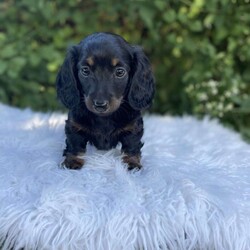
x=193, y=192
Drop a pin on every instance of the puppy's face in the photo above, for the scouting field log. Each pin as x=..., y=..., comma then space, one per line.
x=103, y=70
x=103, y=73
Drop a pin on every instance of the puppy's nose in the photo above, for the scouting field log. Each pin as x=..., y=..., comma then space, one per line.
x=101, y=104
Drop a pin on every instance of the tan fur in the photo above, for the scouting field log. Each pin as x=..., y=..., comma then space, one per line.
x=113, y=105
x=78, y=127
x=90, y=61
x=114, y=61
x=74, y=161
x=132, y=159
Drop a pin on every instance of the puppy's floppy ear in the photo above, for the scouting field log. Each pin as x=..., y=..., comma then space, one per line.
x=142, y=86
x=67, y=80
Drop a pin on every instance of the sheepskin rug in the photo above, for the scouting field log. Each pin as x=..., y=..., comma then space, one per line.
x=193, y=192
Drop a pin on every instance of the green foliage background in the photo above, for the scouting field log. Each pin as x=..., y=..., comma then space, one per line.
x=200, y=51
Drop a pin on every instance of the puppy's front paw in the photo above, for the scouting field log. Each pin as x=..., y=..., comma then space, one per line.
x=135, y=167
x=133, y=162
x=73, y=161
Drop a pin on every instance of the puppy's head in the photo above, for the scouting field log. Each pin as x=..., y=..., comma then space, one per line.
x=103, y=71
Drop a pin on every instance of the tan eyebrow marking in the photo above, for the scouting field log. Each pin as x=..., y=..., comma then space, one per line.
x=114, y=61
x=90, y=61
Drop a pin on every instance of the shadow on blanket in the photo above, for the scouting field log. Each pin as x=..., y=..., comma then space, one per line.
x=193, y=192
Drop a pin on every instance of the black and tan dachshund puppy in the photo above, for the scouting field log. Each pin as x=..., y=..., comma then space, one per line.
x=105, y=83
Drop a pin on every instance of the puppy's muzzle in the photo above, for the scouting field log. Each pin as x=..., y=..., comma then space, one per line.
x=100, y=105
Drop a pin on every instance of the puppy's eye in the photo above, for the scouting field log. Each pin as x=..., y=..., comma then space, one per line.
x=85, y=70
x=120, y=72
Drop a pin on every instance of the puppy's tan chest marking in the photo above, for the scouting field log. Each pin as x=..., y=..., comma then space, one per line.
x=78, y=127
x=129, y=128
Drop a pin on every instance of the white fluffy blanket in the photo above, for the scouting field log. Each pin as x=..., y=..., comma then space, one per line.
x=193, y=192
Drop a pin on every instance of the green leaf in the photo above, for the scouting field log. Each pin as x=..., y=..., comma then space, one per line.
x=196, y=26
x=147, y=15
x=169, y=16
x=3, y=66
x=209, y=20
x=8, y=51
x=18, y=62
x=34, y=59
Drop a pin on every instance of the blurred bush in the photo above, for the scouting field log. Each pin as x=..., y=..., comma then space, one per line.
x=200, y=51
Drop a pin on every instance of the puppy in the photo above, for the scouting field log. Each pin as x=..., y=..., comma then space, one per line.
x=105, y=83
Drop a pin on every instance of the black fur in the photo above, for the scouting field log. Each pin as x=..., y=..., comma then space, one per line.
x=105, y=83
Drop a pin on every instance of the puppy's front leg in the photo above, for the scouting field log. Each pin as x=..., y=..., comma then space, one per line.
x=133, y=161
x=131, y=146
x=75, y=146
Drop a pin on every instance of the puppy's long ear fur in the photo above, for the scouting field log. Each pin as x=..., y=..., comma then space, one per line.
x=142, y=86
x=67, y=80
